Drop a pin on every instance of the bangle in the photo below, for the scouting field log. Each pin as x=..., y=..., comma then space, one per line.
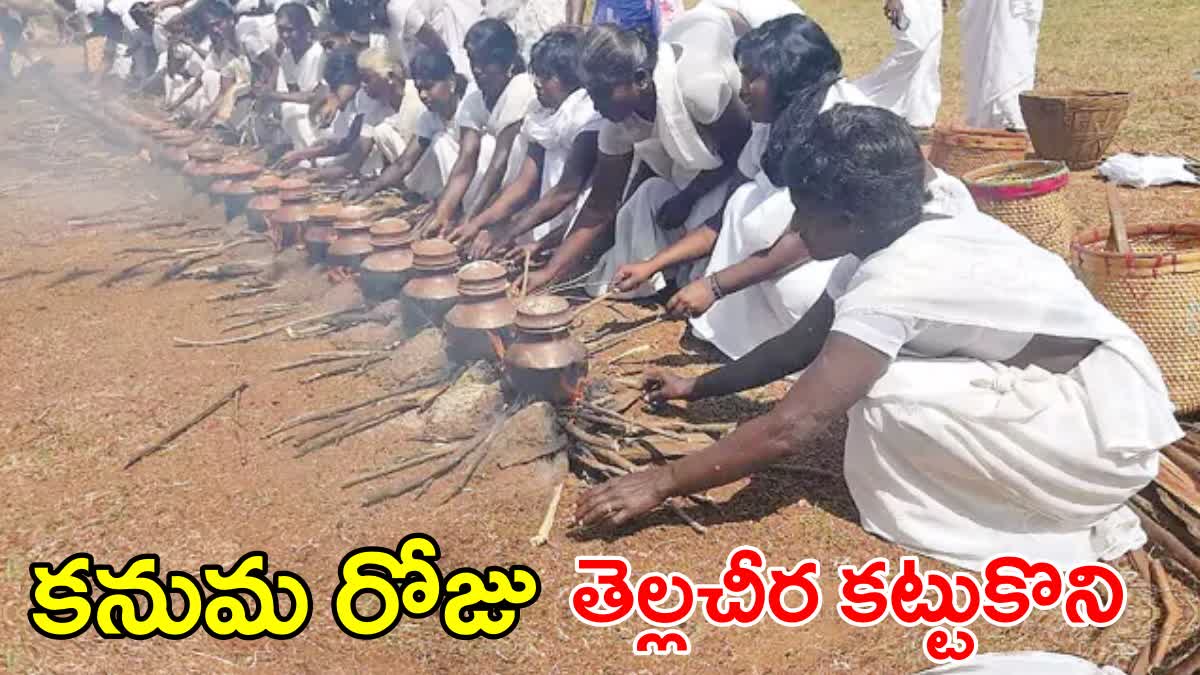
x=715, y=286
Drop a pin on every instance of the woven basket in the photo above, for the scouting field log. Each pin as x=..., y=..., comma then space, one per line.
x=1028, y=197
x=957, y=150
x=1155, y=289
x=1074, y=126
x=93, y=53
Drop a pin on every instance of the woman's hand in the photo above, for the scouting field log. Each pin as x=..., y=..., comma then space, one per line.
x=894, y=10
x=631, y=276
x=518, y=253
x=289, y=160
x=620, y=500
x=693, y=300
x=481, y=246
x=464, y=234
x=358, y=194
x=674, y=212
x=661, y=386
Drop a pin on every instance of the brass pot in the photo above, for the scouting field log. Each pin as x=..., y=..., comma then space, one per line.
x=348, y=252
x=259, y=210
x=295, y=191
x=483, y=315
x=237, y=198
x=287, y=224
x=325, y=214
x=544, y=361
x=391, y=233
x=383, y=274
x=317, y=239
x=200, y=175
x=433, y=288
x=266, y=184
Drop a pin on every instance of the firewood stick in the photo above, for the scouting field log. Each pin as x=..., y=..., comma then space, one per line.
x=1184, y=461
x=263, y=333
x=244, y=293
x=590, y=304
x=320, y=359
x=424, y=482
x=481, y=453
x=1189, y=666
x=633, y=423
x=1163, y=537
x=614, y=340
x=410, y=463
x=543, y=533
x=1190, y=522
x=674, y=508
x=529, y=459
x=796, y=468
x=626, y=354
x=1170, y=613
x=1141, y=665
x=359, y=367
x=183, y=428
x=356, y=428
x=322, y=415
x=1141, y=562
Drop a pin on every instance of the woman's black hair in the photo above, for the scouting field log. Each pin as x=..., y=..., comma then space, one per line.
x=800, y=61
x=865, y=162
x=557, y=55
x=341, y=67
x=296, y=14
x=432, y=65
x=611, y=55
x=214, y=9
x=351, y=16
x=491, y=41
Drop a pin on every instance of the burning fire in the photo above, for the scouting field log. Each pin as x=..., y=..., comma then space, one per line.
x=575, y=389
x=497, y=344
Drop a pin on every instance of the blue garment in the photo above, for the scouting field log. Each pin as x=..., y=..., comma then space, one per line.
x=631, y=14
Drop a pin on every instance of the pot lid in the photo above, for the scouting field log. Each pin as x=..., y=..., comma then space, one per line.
x=294, y=184
x=295, y=195
x=194, y=168
x=325, y=213
x=267, y=183
x=239, y=169
x=482, y=277
x=544, y=314
x=349, y=247
x=434, y=255
x=290, y=215
x=265, y=203
x=399, y=260
x=353, y=214
x=206, y=152
x=391, y=227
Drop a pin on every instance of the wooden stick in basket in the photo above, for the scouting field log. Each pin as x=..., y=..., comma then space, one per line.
x=1118, y=237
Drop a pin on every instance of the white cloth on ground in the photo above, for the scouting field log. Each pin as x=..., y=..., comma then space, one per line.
x=999, y=61
x=692, y=90
x=513, y=106
x=1143, y=171
x=305, y=75
x=1025, y=663
x=908, y=82
x=450, y=19
x=556, y=132
x=431, y=173
x=963, y=459
x=755, y=216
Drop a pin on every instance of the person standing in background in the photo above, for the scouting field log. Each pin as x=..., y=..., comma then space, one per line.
x=1000, y=40
x=639, y=15
x=530, y=19
x=440, y=25
x=908, y=82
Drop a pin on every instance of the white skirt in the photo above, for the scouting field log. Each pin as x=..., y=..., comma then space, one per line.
x=638, y=238
x=428, y=178
x=963, y=460
x=755, y=217
x=909, y=82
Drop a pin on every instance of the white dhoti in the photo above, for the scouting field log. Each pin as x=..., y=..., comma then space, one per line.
x=1025, y=663
x=964, y=460
x=1000, y=40
x=428, y=178
x=298, y=125
x=637, y=237
x=909, y=82
x=755, y=217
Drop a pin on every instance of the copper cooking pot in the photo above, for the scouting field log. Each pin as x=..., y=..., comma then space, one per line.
x=237, y=198
x=483, y=315
x=351, y=237
x=259, y=210
x=433, y=288
x=392, y=233
x=325, y=214
x=385, y=271
x=295, y=191
x=200, y=175
x=266, y=184
x=544, y=361
x=287, y=224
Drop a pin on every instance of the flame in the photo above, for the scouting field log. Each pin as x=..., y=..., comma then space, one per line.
x=574, y=390
x=497, y=344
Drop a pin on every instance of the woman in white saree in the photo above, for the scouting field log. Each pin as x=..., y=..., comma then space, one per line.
x=1000, y=42
x=554, y=179
x=995, y=406
x=909, y=81
x=675, y=104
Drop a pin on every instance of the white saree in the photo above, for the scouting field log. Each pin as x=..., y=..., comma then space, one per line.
x=963, y=459
x=429, y=176
x=555, y=131
x=514, y=105
x=1000, y=41
x=908, y=82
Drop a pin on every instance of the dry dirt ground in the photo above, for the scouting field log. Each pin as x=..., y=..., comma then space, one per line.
x=89, y=373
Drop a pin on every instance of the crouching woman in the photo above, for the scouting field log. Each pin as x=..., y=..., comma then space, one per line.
x=995, y=407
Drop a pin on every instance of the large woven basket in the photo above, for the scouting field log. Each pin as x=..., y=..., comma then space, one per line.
x=1074, y=126
x=1156, y=290
x=1028, y=197
x=957, y=150
x=93, y=53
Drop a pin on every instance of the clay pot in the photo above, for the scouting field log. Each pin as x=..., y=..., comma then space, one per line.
x=324, y=214
x=200, y=175
x=287, y=224
x=295, y=190
x=392, y=233
x=317, y=239
x=433, y=288
x=385, y=272
x=544, y=361
x=237, y=170
x=174, y=157
x=259, y=211
x=206, y=152
x=483, y=315
x=351, y=238
x=237, y=198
